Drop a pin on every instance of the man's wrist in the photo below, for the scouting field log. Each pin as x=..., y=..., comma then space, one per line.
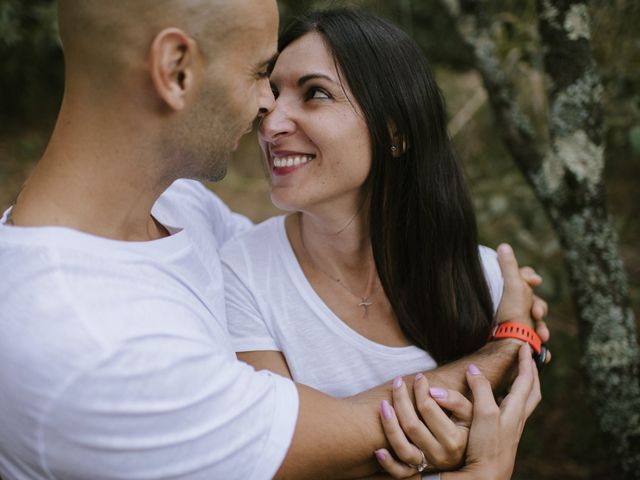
x=518, y=331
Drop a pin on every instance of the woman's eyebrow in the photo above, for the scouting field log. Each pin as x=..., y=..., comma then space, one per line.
x=311, y=76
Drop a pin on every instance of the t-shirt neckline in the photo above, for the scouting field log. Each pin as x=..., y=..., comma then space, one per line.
x=327, y=315
x=64, y=237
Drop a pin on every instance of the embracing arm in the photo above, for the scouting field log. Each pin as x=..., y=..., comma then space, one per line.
x=336, y=438
x=347, y=431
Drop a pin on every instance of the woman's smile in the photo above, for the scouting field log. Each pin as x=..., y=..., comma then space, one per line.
x=286, y=162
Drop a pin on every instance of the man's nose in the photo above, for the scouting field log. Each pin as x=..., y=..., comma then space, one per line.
x=266, y=100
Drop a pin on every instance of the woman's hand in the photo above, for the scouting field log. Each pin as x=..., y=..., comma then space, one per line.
x=494, y=432
x=440, y=438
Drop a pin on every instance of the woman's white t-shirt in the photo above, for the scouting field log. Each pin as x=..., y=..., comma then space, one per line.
x=271, y=306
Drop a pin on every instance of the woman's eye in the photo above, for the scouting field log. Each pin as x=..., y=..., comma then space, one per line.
x=315, y=92
x=275, y=91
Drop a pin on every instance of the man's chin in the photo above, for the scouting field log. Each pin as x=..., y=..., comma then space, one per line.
x=218, y=174
x=217, y=169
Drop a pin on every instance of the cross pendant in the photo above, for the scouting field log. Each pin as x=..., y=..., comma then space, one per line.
x=366, y=304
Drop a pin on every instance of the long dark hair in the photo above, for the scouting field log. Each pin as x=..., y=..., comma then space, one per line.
x=421, y=220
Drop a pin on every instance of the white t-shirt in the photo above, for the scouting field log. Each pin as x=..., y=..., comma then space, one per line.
x=272, y=306
x=115, y=362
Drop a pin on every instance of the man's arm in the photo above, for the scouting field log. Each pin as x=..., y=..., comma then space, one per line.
x=335, y=438
x=498, y=361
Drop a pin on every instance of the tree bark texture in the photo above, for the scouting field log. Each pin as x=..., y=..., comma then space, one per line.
x=565, y=167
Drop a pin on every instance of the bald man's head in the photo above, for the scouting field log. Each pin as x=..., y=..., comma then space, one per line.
x=100, y=37
x=187, y=77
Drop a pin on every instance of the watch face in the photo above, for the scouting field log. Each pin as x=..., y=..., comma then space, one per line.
x=540, y=357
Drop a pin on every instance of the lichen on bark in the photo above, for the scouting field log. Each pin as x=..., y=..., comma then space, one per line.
x=582, y=157
x=576, y=22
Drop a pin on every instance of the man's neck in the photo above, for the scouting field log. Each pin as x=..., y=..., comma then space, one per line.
x=86, y=182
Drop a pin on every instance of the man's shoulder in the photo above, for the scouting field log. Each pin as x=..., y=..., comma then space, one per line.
x=186, y=196
x=256, y=241
x=189, y=204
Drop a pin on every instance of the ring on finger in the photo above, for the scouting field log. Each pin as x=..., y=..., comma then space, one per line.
x=422, y=465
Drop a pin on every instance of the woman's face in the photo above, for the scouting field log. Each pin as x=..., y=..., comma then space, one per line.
x=315, y=140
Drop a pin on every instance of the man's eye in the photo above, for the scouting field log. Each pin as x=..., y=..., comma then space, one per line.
x=263, y=74
x=318, y=93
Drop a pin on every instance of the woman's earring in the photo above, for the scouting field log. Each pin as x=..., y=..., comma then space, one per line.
x=394, y=148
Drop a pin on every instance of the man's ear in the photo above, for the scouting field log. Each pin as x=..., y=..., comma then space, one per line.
x=172, y=59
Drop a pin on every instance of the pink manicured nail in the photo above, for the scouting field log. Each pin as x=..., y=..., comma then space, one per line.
x=438, y=392
x=419, y=376
x=473, y=370
x=385, y=408
x=380, y=455
x=397, y=382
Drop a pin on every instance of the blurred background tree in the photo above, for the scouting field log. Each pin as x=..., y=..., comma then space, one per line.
x=562, y=440
x=564, y=164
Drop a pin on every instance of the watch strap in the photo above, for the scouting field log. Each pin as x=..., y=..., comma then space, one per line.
x=519, y=331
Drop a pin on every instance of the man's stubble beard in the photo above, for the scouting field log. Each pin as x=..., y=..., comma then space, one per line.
x=205, y=140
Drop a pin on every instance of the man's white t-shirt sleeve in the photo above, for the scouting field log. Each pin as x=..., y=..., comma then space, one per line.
x=233, y=223
x=193, y=196
x=169, y=407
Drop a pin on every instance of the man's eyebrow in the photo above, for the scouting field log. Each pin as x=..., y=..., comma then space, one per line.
x=311, y=76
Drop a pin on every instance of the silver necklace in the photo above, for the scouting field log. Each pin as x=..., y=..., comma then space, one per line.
x=365, y=300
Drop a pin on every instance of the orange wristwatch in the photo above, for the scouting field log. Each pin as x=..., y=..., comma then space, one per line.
x=519, y=331
x=524, y=333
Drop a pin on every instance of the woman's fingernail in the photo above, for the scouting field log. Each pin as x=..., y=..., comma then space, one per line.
x=385, y=408
x=438, y=392
x=473, y=370
x=380, y=455
x=397, y=382
x=419, y=376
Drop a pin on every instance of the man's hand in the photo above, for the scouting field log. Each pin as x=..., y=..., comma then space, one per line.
x=518, y=296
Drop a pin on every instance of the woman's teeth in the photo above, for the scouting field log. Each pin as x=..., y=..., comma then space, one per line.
x=291, y=161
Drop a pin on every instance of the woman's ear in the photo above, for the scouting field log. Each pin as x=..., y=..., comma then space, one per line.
x=171, y=65
x=398, y=142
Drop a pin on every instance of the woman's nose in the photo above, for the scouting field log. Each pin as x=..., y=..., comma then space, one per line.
x=276, y=124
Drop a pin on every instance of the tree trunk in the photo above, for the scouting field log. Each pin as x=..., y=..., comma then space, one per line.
x=565, y=169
